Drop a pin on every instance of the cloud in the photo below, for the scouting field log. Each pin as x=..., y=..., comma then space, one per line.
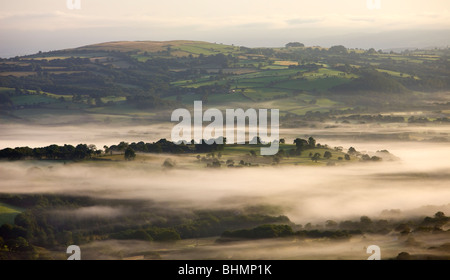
x=57, y=20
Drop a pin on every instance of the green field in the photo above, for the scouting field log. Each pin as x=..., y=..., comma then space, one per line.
x=320, y=84
x=32, y=99
x=8, y=213
x=6, y=90
x=235, y=153
x=396, y=74
x=262, y=94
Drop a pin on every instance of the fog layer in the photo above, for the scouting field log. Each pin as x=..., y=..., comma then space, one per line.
x=307, y=194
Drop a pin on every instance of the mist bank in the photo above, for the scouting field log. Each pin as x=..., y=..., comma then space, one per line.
x=306, y=195
x=355, y=248
x=21, y=135
x=135, y=197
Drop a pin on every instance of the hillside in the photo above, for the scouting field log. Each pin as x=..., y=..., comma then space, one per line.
x=127, y=78
x=178, y=48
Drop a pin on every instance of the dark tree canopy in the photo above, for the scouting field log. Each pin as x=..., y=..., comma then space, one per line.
x=129, y=154
x=294, y=45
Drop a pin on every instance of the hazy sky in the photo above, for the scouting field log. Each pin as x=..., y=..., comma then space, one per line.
x=28, y=25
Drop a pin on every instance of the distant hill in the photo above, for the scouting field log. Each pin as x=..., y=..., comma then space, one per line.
x=176, y=48
x=126, y=77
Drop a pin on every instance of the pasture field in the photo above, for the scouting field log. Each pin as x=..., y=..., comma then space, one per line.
x=8, y=213
x=32, y=99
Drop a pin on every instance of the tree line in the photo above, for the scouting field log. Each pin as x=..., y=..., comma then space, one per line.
x=84, y=151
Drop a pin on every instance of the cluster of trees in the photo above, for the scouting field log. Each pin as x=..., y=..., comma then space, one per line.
x=302, y=144
x=94, y=79
x=260, y=232
x=148, y=234
x=342, y=230
x=52, y=152
x=276, y=231
x=49, y=221
x=161, y=146
x=83, y=151
x=382, y=226
x=165, y=146
x=363, y=157
x=13, y=241
x=213, y=223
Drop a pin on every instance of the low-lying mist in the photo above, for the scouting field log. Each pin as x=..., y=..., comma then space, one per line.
x=270, y=249
x=20, y=135
x=306, y=194
x=412, y=187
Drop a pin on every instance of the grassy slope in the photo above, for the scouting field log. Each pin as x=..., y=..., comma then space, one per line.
x=177, y=47
x=235, y=153
x=8, y=213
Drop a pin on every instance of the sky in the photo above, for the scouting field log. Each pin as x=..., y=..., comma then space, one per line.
x=28, y=26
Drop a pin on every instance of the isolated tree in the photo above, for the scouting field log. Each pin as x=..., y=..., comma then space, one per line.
x=130, y=154
x=327, y=155
x=300, y=143
x=258, y=140
x=351, y=151
x=315, y=157
x=312, y=142
x=347, y=157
